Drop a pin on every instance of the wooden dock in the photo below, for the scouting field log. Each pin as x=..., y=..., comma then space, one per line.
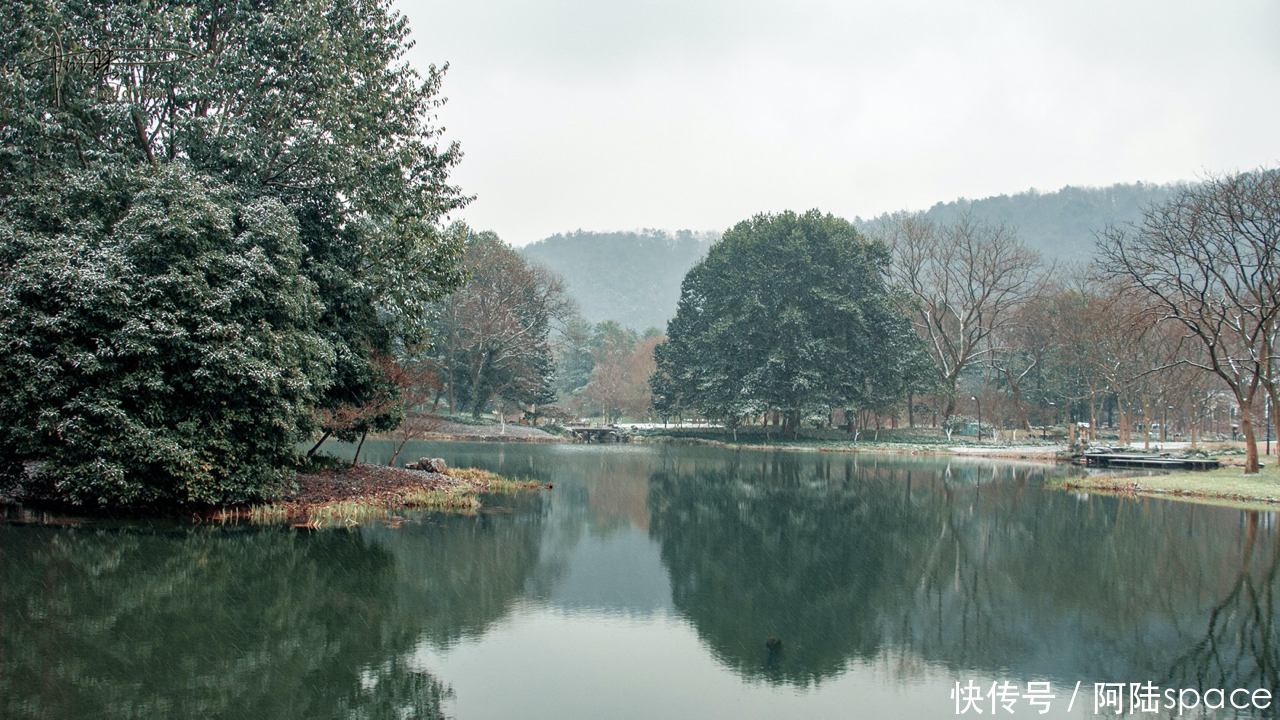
x=1141, y=461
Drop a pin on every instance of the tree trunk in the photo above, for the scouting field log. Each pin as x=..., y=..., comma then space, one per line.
x=449, y=368
x=1250, y=441
x=356, y=459
x=1016, y=389
x=316, y=447
x=1124, y=423
x=477, y=371
x=1093, y=417
x=1273, y=394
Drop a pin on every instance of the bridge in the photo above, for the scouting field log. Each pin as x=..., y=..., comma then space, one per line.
x=606, y=434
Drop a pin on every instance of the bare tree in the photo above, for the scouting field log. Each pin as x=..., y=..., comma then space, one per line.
x=964, y=280
x=353, y=420
x=1208, y=260
x=497, y=326
x=1020, y=348
x=420, y=393
x=620, y=380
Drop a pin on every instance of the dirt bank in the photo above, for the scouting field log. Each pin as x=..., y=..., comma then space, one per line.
x=351, y=495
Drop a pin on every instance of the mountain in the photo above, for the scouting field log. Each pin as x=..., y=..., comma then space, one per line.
x=631, y=277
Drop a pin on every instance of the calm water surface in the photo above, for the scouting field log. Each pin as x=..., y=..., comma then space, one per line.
x=646, y=585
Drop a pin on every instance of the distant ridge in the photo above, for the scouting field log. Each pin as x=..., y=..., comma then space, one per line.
x=631, y=277
x=1062, y=225
x=634, y=277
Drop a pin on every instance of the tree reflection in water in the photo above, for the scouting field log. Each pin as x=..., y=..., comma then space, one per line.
x=785, y=548
x=1240, y=644
x=910, y=564
x=247, y=622
x=966, y=566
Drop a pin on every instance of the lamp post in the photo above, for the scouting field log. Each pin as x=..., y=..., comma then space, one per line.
x=975, y=399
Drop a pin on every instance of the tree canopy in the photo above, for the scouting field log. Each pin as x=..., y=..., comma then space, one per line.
x=787, y=313
x=209, y=197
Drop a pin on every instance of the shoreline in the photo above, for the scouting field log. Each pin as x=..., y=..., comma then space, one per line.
x=1225, y=486
x=1040, y=453
x=338, y=495
x=345, y=494
x=350, y=495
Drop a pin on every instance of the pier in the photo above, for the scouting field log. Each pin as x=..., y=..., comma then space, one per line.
x=1131, y=460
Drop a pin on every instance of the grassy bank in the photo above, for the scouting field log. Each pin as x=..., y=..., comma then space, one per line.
x=1226, y=485
x=344, y=496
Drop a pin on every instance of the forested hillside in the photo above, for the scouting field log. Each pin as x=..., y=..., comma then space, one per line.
x=1060, y=225
x=634, y=277
x=631, y=277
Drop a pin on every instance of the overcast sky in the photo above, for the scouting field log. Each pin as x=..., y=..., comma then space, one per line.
x=696, y=114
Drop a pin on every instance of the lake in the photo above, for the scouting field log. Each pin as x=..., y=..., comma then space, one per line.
x=659, y=581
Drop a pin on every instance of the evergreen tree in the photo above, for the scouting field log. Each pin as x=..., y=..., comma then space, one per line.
x=171, y=356
x=787, y=313
x=301, y=115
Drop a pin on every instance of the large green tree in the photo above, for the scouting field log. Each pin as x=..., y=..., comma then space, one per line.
x=787, y=313
x=226, y=115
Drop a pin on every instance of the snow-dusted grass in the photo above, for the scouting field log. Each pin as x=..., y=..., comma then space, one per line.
x=1224, y=484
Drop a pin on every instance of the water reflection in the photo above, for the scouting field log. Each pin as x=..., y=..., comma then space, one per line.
x=917, y=571
x=456, y=576
x=1239, y=647
x=784, y=563
x=121, y=623
x=248, y=622
x=970, y=567
x=851, y=559
x=1099, y=589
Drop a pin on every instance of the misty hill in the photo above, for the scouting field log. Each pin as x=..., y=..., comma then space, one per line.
x=631, y=277
x=634, y=277
x=1062, y=224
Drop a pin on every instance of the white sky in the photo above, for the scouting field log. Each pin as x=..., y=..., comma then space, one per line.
x=696, y=114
